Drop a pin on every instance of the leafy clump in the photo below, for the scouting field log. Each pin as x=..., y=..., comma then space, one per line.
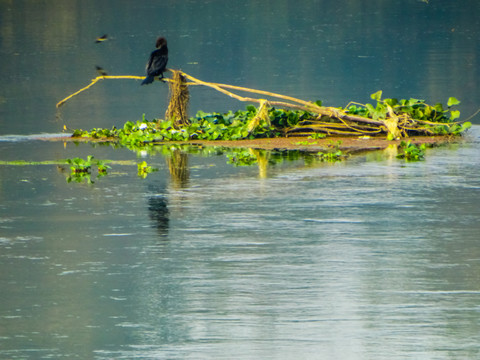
x=204, y=126
x=389, y=117
x=81, y=168
x=144, y=169
x=412, y=108
x=79, y=165
x=411, y=152
x=412, y=117
x=334, y=153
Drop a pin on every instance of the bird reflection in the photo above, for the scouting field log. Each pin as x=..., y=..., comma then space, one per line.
x=158, y=212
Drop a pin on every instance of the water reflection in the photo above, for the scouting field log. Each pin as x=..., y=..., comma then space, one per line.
x=262, y=157
x=178, y=166
x=369, y=259
x=158, y=210
x=158, y=200
x=209, y=257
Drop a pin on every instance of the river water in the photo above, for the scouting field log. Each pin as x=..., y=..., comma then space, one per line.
x=369, y=258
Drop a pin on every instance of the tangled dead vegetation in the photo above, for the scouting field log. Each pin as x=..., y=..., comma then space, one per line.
x=388, y=117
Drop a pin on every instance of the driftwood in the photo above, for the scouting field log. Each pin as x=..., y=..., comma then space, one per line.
x=328, y=120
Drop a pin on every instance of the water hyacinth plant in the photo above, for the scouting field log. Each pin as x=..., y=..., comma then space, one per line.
x=411, y=152
x=391, y=117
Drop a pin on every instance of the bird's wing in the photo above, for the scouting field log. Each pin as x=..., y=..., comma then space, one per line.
x=160, y=62
x=149, y=63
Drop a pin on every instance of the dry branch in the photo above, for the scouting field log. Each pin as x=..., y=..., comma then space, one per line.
x=340, y=121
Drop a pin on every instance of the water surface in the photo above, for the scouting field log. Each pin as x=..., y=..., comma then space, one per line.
x=368, y=258
x=371, y=258
x=336, y=51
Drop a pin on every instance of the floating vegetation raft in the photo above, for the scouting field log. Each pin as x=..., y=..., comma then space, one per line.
x=390, y=117
x=282, y=116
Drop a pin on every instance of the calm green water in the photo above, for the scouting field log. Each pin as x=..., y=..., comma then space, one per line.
x=332, y=50
x=371, y=258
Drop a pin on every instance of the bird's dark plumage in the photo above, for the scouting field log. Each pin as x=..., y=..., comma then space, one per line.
x=101, y=71
x=157, y=62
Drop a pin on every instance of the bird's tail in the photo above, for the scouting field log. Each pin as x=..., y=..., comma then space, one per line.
x=148, y=80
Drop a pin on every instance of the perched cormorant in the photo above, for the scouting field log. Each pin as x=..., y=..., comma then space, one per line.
x=157, y=61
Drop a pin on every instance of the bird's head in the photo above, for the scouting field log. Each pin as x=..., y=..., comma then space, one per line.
x=161, y=41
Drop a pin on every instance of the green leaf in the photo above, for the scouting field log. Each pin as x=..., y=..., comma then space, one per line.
x=452, y=101
x=454, y=114
x=128, y=126
x=370, y=108
x=438, y=107
x=77, y=133
x=377, y=96
x=391, y=102
x=466, y=125
x=413, y=101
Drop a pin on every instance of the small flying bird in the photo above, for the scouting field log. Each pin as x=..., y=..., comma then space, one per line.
x=157, y=62
x=101, y=39
x=100, y=71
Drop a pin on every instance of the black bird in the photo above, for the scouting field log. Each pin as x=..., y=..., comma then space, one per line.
x=101, y=71
x=157, y=62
